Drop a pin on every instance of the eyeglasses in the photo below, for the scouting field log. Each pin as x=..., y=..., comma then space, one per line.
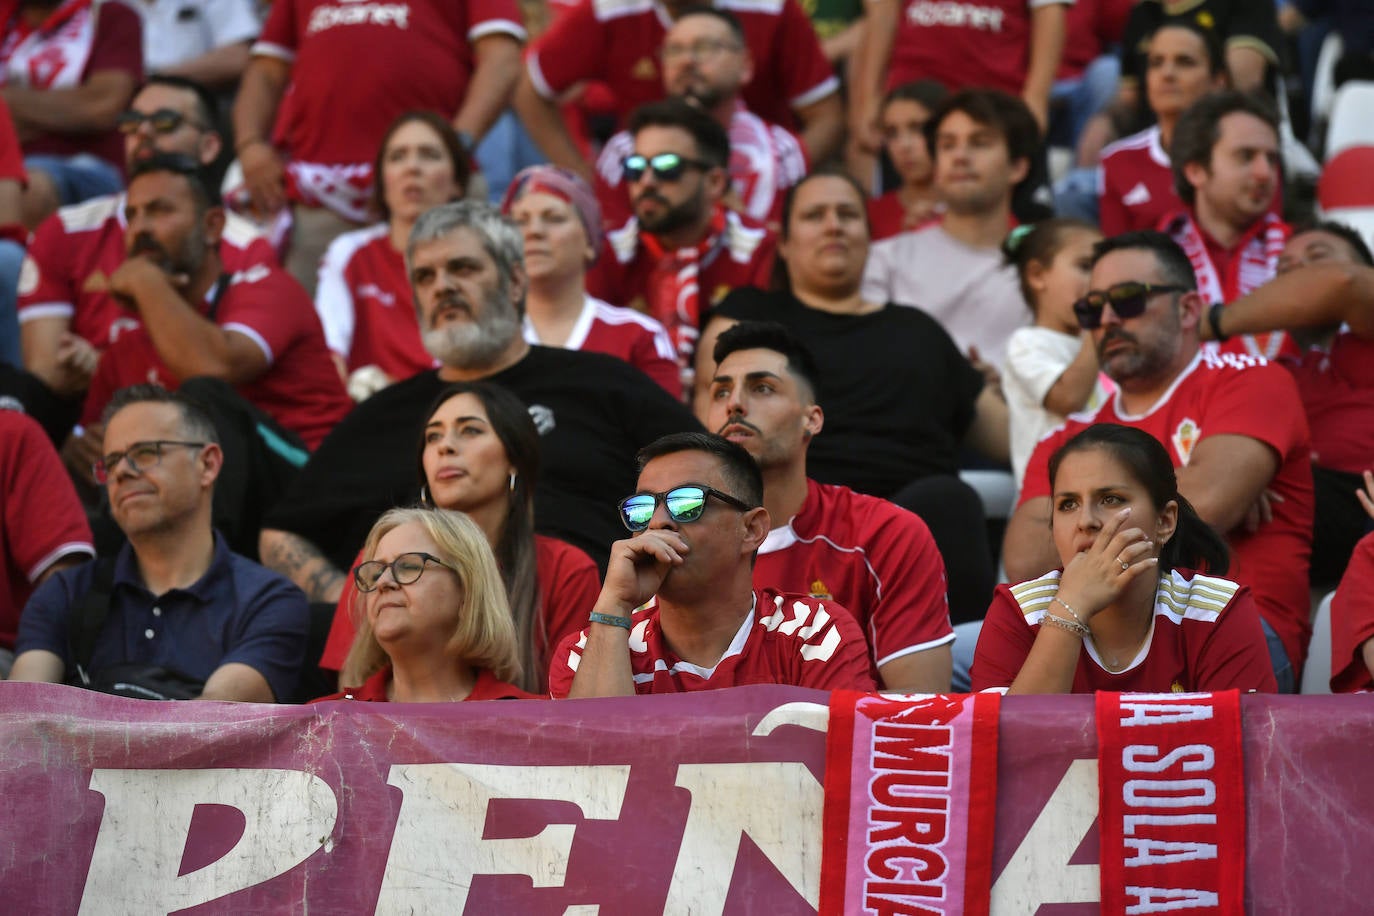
x=684, y=504
x=405, y=569
x=706, y=47
x=665, y=166
x=164, y=121
x=142, y=457
x=1126, y=299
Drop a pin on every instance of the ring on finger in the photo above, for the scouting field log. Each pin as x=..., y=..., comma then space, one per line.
x=1124, y=565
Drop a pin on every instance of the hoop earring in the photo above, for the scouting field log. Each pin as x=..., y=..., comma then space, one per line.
x=512, y=481
x=424, y=496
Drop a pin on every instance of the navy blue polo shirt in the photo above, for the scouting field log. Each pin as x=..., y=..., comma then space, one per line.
x=238, y=611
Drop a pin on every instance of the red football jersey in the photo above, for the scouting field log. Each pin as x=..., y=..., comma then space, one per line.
x=569, y=584
x=300, y=387
x=625, y=334
x=78, y=39
x=617, y=42
x=1232, y=395
x=1206, y=635
x=355, y=67
x=785, y=639
x=1136, y=185
x=67, y=271
x=877, y=560
x=741, y=254
x=41, y=519
x=984, y=43
x=366, y=306
x=1337, y=390
x=487, y=687
x=1352, y=621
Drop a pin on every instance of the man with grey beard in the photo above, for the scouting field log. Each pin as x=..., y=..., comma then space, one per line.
x=593, y=412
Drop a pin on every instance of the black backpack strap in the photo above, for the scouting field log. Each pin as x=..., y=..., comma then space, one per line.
x=88, y=618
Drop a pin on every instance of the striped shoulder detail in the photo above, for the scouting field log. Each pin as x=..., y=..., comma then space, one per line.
x=1198, y=598
x=92, y=214
x=617, y=9
x=1035, y=595
x=619, y=314
x=743, y=240
x=1136, y=141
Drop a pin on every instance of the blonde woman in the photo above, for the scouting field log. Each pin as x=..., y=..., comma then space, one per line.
x=434, y=623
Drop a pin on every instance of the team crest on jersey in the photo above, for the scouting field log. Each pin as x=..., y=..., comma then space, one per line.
x=95, y=282
x=1176, y=687
x=1184, y=438
x=819, y=589
x=719, y=293
x=644, y=69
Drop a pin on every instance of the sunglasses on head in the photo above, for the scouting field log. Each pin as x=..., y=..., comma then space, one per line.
x=1126, y=299
x=684, y=504
x=164, y=121
x=665, y=166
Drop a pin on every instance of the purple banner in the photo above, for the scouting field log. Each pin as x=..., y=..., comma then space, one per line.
x=703, y=804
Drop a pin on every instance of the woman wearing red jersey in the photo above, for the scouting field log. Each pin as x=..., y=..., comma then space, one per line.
x=1127, y=612
x=479, y=453
x=435, y=627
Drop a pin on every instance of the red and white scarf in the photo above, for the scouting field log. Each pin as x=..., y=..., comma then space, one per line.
x=910, y=798
x=1172, y=803
x=1255, y=264
x=674, y=289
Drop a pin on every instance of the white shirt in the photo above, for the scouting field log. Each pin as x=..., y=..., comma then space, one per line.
x=179, y=30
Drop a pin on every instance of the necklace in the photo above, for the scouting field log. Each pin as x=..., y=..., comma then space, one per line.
x=1114, y=665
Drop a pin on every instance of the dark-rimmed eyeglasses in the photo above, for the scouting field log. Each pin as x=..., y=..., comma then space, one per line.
x=684, y=504
x=142, y=457
x=700, y=49
x=405, y=569
x=665, y=166
x=164, y=121
x=1127, y=300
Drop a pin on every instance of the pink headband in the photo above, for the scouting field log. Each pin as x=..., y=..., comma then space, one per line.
x=564, y=185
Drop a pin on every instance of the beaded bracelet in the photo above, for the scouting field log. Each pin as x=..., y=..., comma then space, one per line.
x=1065, y=605
x=610, y=620
x=1077, y=629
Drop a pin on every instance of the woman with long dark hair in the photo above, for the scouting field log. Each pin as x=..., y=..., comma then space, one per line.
x=1128, y=611
x=479, y=453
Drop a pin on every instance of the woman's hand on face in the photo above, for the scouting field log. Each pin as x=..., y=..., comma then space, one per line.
x=1096, y=577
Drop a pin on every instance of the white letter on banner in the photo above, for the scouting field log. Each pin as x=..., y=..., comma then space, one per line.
x=777, y=804
x=288, y=815
x=1039, y=871
x=438, y=845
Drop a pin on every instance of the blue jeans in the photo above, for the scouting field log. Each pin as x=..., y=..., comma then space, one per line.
x=78, y=177
x=1073, y=102
x=504, y=151
x=11, y=259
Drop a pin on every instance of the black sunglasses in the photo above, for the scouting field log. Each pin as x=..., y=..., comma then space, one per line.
x=1126, y=299
x=665, y=166
x=164, y=121
x=684, y=504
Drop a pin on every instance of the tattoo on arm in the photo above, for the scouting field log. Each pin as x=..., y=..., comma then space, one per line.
x=303, y=563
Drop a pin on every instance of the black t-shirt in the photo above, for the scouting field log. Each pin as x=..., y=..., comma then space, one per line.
x=593, y=412
x=898, y=395
x=1252, y=23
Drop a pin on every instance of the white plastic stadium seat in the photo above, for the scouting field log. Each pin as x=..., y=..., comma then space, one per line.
x=1352, y=117
x=1324, y=82
x=997, y=490
x=1316, y=674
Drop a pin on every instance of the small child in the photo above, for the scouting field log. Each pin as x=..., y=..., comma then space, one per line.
x=1051, y=367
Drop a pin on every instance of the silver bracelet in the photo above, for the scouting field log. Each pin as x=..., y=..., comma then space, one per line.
x=1077, y=629
x=1065, y=605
